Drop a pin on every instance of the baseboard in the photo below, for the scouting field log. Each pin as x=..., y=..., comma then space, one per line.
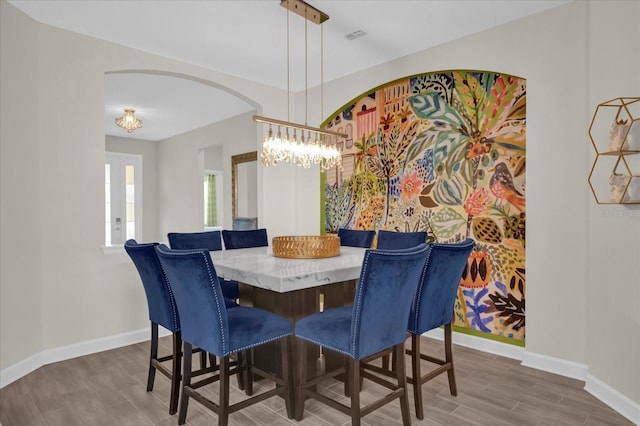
x=484, y=345
x=48, y=356
x=614, y=399
x=561, y=367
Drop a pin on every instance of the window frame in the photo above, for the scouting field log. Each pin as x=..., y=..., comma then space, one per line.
x=219, y=199
x=120, y=160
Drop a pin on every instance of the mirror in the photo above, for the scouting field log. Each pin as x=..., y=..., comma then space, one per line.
x=244, y=185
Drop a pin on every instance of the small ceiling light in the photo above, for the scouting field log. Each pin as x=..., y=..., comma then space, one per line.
x=129, y=121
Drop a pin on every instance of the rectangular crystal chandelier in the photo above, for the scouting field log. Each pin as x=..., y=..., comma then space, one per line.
x=300, y=144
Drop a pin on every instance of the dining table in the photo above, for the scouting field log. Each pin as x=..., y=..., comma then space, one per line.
x=292, y=288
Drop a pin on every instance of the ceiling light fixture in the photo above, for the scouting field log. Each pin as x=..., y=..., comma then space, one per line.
x=129, y=121
x=356, y=34
x=301, y=144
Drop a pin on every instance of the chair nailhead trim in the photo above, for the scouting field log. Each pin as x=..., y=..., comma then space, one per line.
x=253, y=345
x=215, y=294
x=173, y=302
x=419, y=295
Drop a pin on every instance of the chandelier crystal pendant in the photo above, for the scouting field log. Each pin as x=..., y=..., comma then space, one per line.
x=129, y=121
x=298, y=144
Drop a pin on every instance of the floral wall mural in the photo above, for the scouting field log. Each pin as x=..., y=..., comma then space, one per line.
x=443, y=152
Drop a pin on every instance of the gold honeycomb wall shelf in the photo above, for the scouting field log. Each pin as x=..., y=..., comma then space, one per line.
x=615, y=136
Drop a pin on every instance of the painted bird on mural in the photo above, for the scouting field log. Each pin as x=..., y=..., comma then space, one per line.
x=501, y=185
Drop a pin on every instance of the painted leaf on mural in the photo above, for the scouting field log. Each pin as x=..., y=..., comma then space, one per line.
x=472, y=96
x=432, y=107
x=425, y=198
x=486, y=230
x=421, y=143
x=375, y=166
x=447, y=222
x=451, y=192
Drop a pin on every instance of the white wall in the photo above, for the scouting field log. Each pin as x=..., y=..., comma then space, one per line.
x=613, y=232
x=213, y=158
x=20, y=194
x=182, y=163
x=582, y=280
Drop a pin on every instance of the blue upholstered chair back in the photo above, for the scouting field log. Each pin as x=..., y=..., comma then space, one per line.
x=245, y=239
x=399, y=240
x=433, y=305
x=162, y=307
x=386, y=276
x=199, y=298
x=210, y=240
x=356, y=238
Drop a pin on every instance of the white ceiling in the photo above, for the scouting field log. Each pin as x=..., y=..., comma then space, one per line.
x=247, y=38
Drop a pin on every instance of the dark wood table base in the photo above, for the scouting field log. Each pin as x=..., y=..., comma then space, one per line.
x=295, y=305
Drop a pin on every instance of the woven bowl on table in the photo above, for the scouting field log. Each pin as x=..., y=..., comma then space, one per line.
x=306, y=246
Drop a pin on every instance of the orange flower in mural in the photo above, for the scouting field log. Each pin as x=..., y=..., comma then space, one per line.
x=478, y=148
x=477, y=202
x=410, y=185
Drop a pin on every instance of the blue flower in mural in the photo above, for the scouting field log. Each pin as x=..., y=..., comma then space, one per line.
x=477, y=309
x=425, y=166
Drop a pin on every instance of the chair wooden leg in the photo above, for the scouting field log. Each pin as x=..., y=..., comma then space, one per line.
x=242, y=376
x=223, y=404
x=416, y=375
x=398, y=356
x=354, y=384
x=347, y=377
x=248, y=374
x=153, y=354
x=385, y=362
x=186, y=382
x=175, y=373
x=203, y=360
x=448, y=349
x=302, y=378
x=287, y=375
x=212, y=360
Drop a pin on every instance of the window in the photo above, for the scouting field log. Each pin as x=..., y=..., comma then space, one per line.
x=123, y=198
x=212, y=199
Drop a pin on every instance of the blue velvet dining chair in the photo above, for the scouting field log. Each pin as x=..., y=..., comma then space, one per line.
x=208, y=324
x=356, y=237
x=399, y=240
x=391, y=240
x=434, y=307
x=245, y=239
x=365, y=331
x=163, y=312
x=210, y=240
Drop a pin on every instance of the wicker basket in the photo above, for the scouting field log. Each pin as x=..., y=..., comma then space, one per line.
x=306, y=247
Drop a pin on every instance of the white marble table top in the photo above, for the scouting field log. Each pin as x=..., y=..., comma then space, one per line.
x=258, y=267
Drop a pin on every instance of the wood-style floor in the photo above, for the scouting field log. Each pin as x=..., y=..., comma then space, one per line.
x=109, y=388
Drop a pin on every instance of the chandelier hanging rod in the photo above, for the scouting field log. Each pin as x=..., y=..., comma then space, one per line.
x=266, y=120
